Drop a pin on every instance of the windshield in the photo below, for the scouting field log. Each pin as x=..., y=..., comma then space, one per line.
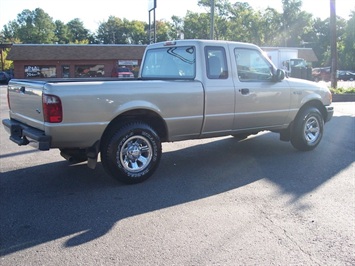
x=298, y=63
x=170, y=63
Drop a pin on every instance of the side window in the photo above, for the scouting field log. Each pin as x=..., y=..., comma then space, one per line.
x=252, y=66
x=170, y=63
x=216, y=63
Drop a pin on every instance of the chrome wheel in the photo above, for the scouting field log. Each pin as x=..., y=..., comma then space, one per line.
x=311, y=130
x=307, y=130
x=130, y=152
x=136, y=153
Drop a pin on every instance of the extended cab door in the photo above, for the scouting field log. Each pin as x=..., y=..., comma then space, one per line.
x=219, y=91
x=261, y=102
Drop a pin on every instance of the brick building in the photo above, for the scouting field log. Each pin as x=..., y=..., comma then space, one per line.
x=71, y=61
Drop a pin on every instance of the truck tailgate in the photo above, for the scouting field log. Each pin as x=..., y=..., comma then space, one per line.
x=25, y=102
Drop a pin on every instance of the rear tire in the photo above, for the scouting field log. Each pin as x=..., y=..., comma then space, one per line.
x=131, y=153
x=307, y=129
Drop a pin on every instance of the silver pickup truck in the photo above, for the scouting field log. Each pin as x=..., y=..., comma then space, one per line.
x=186, y=89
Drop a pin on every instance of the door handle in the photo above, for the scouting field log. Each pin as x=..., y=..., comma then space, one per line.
x=244, y=91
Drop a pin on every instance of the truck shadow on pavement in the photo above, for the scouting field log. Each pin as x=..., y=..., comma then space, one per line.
x=47, y=202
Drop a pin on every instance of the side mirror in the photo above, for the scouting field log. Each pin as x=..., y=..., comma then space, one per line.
x=279, y=75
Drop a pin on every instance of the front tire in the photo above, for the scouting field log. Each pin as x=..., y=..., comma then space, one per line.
x=307, y=130
x=131, y=153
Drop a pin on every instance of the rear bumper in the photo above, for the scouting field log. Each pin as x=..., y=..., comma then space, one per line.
x=22, y=134
x=330, y=112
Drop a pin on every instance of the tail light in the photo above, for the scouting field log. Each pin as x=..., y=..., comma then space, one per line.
x=52, y=108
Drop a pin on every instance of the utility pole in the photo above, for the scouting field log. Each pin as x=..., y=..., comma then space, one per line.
x=333, y=46
x=212, y=20
x=152, y=5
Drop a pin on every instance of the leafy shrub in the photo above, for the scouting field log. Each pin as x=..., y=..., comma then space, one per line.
x=342, y=90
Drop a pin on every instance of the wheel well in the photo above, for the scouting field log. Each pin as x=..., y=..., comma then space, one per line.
x=143, y=115
x=285, y=135
x=314, y=103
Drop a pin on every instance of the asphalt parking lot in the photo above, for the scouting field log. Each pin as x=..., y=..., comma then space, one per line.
x=211, y=202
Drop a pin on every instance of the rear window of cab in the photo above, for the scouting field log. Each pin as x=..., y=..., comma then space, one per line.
x=170, y=63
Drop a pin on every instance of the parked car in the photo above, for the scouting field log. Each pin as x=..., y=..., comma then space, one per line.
x=321, y=74
x=346, y=75
x=122, y=73
x=4, y=77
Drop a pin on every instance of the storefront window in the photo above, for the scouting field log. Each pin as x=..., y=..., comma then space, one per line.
x=40, y=72
x=89, y=71
x=65, y=71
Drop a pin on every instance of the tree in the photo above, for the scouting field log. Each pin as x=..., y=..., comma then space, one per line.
x=270, y=27
x=137, y=31
x=291, y=8
x=61, y=32
x=196, y=25
x=295, y=22
x=236, y=22
x=114, y=31
x=347, y=57
x=31, y=27
x=244, y=24
x=10, y=32
x=221, y=18
x=319, y=41
x=6, y=64
x=177, y=28
x=77, y=33
x=165, y=31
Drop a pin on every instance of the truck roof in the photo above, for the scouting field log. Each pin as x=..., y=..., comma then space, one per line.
x=200, y=42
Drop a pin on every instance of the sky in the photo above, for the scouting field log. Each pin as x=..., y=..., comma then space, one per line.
x=92, y=13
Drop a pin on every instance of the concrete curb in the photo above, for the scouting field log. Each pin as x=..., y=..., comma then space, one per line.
x=346, y=97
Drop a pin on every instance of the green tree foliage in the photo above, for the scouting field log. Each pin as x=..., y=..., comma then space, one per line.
x=137, y=32
x=61, y=32
x=245, y=23
x=348, y=54
x=9, y=33
x=118, y=31
x=76, y=32
x=196, y=26
x=177, y=28
x=6, y=64
x=38, y=27
x=291, y=10
x=319, y=40
x=165, y=31
x=109, y=31
x=270, y=28
x=31, y=27
x=233, y=20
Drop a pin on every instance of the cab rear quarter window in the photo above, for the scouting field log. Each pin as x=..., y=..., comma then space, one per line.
x=216, y=62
